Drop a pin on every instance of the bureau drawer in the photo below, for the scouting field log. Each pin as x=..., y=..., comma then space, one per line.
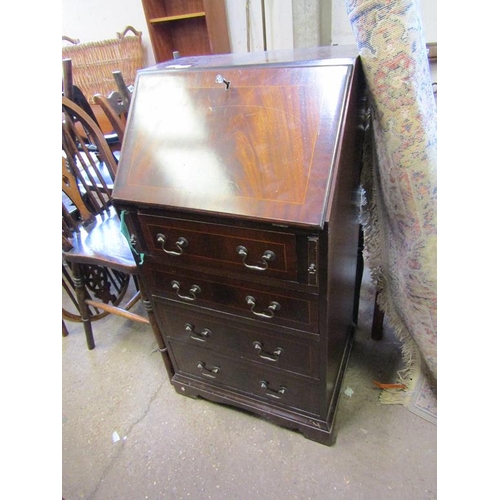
x=253, y=380
x=277, y=350
x=190, y=243
x=271, y=305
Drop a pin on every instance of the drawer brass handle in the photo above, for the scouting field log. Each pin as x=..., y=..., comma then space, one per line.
x=273, y=306
x=269, y=392
x=201, y=336
x=193, y=291
x=267, y=256
x=208, y=372
x=274, y=356
x=181, y=243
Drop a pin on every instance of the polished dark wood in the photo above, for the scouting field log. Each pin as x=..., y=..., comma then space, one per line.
x=295, y=352
x=216, y=245
x=298, y=393
x=187, y=27
x=297, y=310
x=242, y=196
x=275, y=160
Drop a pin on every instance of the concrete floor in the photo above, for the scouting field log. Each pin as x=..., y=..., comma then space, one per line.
x=126, y=434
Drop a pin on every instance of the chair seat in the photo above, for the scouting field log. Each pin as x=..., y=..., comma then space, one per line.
x=92, y=229
x=102, y=243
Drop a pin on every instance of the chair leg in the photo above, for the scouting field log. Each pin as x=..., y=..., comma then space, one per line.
x=64, y=329
x=359, y=276
x=79, y=280
x=157, y=332
x=378, y=321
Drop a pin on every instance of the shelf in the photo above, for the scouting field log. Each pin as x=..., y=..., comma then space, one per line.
x=186, y=27
x=176, y=18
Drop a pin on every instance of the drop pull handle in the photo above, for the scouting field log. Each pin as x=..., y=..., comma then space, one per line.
x=208, y=372
x=271, y=309
x=200, y=336
x=181, y=244
x=192, y=291
x=274, y=356
x=270, y=392
x=267, y=256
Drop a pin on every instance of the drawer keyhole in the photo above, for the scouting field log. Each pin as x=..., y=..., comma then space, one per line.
x=221, y=79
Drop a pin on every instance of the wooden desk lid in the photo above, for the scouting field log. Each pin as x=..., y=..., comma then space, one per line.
x=255, y=140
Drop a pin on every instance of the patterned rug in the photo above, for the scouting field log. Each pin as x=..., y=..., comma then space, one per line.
x=421, y=397
x=399, y=179
x=423, y=401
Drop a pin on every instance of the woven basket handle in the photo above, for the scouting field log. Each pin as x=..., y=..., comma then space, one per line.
x=127, y=29
x=74, y=41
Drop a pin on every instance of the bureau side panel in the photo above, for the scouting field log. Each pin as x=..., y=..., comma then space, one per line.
x=341, y=238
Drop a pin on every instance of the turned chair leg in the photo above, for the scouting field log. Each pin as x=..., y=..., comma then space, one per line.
x=65, y=332
x=79, y=280
x=156, y=330
x=359, y=276
x=377, y=332
x=378, y=321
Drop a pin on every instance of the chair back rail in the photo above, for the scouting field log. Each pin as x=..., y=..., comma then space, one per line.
x=96, y=255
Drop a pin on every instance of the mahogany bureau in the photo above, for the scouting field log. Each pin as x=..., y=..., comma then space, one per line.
x=238, y=186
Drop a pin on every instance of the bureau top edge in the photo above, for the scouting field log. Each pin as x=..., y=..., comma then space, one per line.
x=326, y=55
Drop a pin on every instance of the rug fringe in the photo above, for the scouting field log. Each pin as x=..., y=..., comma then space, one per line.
x=373, y=242
x=411, y=359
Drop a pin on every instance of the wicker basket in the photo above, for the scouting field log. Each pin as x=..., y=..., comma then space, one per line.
x=93, y=63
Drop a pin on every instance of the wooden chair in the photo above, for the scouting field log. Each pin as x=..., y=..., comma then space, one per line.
x=93, y=245
x=115, y=106
x=73, y=93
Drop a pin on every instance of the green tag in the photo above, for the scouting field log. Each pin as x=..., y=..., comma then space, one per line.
x=124, y=230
